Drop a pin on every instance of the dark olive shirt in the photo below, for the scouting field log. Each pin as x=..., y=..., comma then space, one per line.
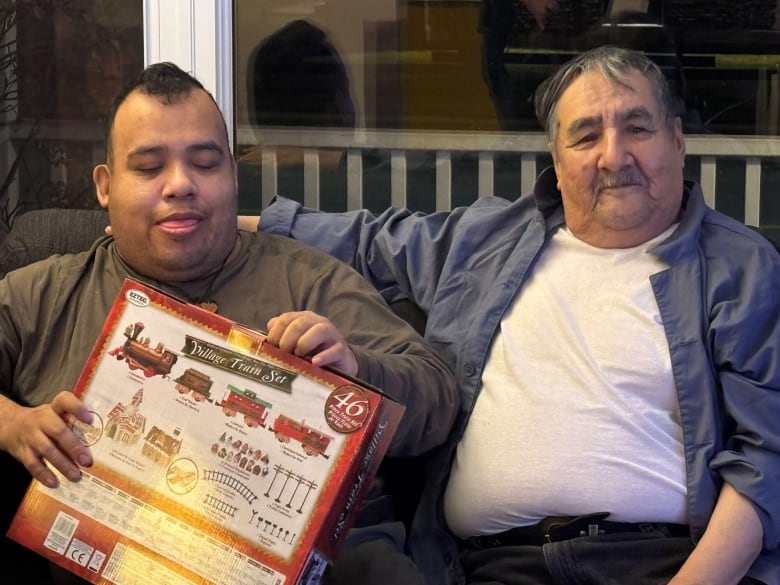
x=51, y=313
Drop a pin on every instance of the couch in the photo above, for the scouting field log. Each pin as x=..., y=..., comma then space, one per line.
x=39, y=234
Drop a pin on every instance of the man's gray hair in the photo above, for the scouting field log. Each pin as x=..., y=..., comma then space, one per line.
x=614, y=64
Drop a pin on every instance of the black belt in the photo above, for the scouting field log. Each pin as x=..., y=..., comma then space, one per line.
x=555, y=528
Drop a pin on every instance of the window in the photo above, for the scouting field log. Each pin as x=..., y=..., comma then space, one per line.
x=61, y=62
x=398, y=73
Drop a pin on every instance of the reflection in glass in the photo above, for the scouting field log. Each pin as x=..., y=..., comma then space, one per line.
x=419, y=69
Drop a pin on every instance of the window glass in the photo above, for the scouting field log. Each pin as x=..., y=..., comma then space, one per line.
x=471, y=67
x=61, y=62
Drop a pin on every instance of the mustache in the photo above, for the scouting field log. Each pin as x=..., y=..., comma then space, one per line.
x=609, y=180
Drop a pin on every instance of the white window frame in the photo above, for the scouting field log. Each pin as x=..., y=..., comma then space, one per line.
x=197, y=35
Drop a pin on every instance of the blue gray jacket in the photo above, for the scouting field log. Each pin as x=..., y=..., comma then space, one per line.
x=719, y=299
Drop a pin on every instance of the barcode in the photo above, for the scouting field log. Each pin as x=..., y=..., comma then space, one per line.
x=61, y=532
x=65, y=525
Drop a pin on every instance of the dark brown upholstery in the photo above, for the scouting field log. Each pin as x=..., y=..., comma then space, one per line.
x=38, y=234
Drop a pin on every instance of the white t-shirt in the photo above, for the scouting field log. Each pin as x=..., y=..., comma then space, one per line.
x=578, y=410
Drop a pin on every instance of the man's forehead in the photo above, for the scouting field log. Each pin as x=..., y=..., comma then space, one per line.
x=148, y=121
x=591, y=94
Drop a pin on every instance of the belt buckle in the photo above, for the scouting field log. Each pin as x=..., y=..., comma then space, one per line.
x=571, y=527
x=548, y=527
x=593, y=530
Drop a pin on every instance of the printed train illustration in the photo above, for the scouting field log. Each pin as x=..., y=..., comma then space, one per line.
x=195, y=382
x=139, y=354
x=314, y=442
x=238, y=401
x=159, y=360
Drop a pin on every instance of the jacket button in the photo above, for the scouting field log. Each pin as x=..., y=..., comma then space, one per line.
x=469, y=370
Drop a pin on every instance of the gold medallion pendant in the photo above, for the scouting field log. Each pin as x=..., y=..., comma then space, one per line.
x=210, y=306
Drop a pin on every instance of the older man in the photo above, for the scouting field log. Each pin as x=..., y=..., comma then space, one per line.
x=616, y=346
x=169, y=184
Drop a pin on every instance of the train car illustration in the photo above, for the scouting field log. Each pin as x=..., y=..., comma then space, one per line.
x=245, y=402
x=314, y=442
x=140, y=355
x=195, y=382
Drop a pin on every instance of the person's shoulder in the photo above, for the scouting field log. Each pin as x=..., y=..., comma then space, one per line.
x=495, y=215
x=724, y=233
x=274, y=245
x=20, y=265
x=491, y=203
x=735, y=252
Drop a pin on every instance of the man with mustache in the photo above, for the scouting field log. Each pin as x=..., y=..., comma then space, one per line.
x=616, y=347
x=170, y=186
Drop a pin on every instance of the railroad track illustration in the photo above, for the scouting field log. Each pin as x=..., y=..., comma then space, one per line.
x=220, y=505
x=230, y=481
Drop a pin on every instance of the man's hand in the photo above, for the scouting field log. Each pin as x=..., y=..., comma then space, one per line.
x=248, y=223
x=307, y=334
x=40, y=437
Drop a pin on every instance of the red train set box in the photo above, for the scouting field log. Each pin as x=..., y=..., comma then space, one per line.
x=219, y=459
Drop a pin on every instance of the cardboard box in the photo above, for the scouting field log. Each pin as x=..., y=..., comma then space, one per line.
x=219, y=459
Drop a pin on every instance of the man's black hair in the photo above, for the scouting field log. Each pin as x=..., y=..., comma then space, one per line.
x=166, y=81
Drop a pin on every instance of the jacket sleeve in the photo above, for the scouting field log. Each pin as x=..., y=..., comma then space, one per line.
x=402, y=253
x=744, y=335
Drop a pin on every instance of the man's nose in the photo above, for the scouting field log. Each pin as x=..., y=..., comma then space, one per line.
x=179, y=181
x=614, y=154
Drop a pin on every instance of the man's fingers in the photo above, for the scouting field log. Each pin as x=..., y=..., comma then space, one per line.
x=67, y=406
x=66, y=403
x=39, y=470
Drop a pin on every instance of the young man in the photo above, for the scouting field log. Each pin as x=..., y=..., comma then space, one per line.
x=616, y=347
x=169, y=184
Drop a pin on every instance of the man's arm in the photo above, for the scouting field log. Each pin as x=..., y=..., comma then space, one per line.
x=388, y=353
x=39, y=437
x=400, y=252
x=743, y=339
x=730, y=544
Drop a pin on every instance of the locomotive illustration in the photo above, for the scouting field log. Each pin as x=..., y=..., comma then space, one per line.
x=195, y=382
x=245, y=402
x=140, y=355
x=314, y=442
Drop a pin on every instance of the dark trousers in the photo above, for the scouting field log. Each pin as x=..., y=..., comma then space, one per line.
x=611, y=559
x=374, y=556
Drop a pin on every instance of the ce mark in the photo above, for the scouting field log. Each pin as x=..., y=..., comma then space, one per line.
x=79, y=552
x=80, y=556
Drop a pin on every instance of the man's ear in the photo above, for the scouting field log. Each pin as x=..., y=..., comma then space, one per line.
x=101, y=176
x=551, y=150
x=679, y=137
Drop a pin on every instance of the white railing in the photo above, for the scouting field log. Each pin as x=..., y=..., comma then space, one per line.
x=706, y=150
